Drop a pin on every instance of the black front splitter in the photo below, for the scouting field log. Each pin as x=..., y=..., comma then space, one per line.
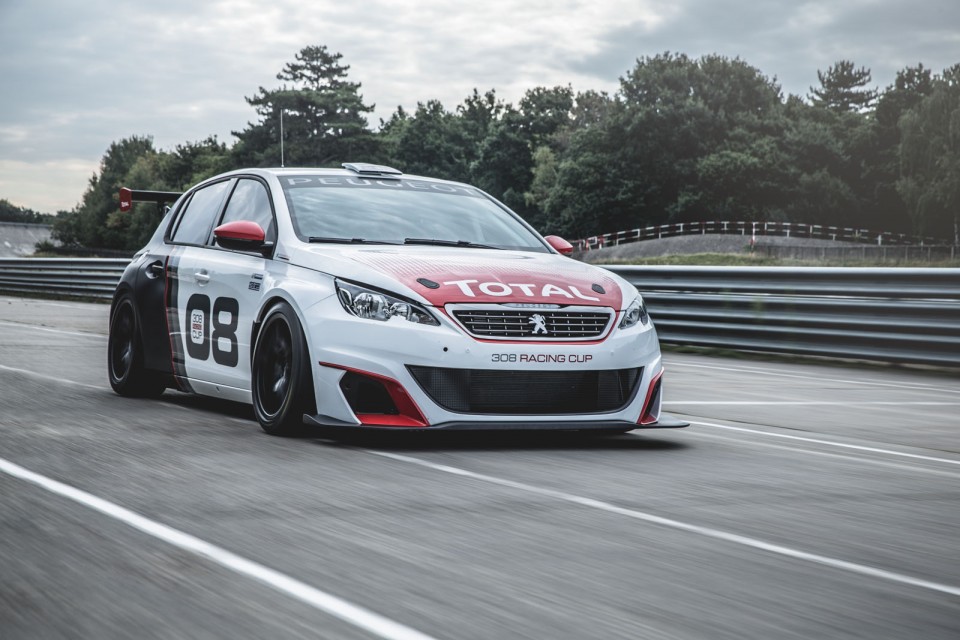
x=666, y=421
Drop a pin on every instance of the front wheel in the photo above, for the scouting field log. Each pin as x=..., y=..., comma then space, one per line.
x=128, y=377
x=281, y=386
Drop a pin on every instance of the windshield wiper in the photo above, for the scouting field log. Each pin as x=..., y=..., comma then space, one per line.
x=346, y=240
x=447, y=243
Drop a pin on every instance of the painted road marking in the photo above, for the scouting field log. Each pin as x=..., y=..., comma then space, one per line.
x=913, y=468
x=716, y=534
x=911, y=386
x=47, y=303
x=43, y=376
x=831, y=443
x=32, y=327
x=321, y=600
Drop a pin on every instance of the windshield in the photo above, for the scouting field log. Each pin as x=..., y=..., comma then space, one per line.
x=346, y=208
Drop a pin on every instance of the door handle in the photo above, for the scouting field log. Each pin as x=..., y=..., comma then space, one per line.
x=202, y=277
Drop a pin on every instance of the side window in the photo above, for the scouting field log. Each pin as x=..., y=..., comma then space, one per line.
x=250, y=201
x=195, y=222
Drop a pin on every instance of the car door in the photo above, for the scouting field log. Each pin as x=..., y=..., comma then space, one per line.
x=221, y=292
x=187, y=247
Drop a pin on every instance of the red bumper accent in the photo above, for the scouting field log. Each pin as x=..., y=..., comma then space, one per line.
x=645, y=417
x=410, y=414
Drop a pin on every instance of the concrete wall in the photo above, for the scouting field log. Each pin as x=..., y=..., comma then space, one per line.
x=18, y=239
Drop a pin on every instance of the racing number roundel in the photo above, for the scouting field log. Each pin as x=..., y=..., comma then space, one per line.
x=201, y=340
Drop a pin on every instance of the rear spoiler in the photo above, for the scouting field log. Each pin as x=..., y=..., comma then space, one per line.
x=129, y=196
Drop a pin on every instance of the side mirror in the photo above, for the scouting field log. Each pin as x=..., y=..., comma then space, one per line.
x=242, y=235
x=560, y=244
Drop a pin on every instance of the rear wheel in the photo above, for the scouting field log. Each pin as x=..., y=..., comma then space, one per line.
x=125, y=368
x=282, y=386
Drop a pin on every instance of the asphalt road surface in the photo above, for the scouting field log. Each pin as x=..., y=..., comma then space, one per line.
x=805, y=501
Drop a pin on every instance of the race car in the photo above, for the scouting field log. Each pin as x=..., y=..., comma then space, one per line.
x=364, y=298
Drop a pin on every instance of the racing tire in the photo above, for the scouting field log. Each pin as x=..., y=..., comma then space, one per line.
x=281, y=383
x=128, y=377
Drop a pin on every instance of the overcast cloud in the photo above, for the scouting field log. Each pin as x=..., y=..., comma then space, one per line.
x=76, y=76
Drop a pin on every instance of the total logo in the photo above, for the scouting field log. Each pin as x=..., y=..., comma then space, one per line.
x=500, y=289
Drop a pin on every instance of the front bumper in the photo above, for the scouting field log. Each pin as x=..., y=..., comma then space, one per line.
x=340, y=344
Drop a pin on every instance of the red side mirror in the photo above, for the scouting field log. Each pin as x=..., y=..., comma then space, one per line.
x=240, y=230
x=242, y=235
x=560, y=244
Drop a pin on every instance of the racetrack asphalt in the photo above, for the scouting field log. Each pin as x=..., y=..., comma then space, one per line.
x=804, y=501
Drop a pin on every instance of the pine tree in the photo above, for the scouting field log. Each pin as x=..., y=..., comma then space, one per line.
x=323, y=114
x=843, y=88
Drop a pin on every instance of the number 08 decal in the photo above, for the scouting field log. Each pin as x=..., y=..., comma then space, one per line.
x=200, y=339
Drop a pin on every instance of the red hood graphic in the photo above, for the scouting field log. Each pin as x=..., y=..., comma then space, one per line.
x=472, y=275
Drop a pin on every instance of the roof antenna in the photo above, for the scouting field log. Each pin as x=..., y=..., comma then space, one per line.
x=281, y=138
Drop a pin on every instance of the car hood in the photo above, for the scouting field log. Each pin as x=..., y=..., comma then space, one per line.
x=441, y=275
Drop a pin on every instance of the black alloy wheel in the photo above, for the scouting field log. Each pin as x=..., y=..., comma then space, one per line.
x=282, y=386
x=124, y=358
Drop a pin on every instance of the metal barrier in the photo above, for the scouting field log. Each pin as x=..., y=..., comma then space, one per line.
x=890, y=314
x=76, y=277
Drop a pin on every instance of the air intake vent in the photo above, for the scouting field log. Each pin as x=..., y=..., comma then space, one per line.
x=485, y=391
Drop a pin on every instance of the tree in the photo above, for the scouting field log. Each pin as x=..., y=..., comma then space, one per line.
x=478, y=115
x=910, y=87
x=430, y=142
x=323, y=116
x=930, y=159
x=192, y=162
x=9, y=212
x=87, y=225
x=823, y=168
x=543, y=112
x=843, y=88
x=504, y=162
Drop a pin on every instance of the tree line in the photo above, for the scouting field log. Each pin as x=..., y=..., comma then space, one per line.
x=10, y=212
x=681, y=140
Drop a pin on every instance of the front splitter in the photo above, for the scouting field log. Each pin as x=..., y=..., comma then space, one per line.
x=666, y=421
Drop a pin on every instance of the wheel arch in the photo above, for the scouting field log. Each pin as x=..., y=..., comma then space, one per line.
x=273, y=298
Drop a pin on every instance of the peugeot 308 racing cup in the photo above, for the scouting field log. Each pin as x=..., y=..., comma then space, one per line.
x=365, y=298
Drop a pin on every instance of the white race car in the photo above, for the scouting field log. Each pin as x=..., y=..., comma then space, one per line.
x=365, y=298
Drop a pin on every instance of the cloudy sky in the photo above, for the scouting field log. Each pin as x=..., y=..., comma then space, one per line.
x=76, y=76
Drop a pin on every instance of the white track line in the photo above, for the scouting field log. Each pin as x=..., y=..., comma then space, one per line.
x=831, y=443
x=913, y=468
x=43, y=376
x=47, y=303
x=321, y=600
x=716, y=534
x=31, y=327
x=911, y=386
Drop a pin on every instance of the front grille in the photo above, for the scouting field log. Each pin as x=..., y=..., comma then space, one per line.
x=534, y=324
x=486, y=391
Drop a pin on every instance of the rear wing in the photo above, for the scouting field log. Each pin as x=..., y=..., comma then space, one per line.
x=129, y=196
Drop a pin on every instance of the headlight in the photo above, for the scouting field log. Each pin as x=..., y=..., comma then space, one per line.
x=376, y=305
x=635, y=313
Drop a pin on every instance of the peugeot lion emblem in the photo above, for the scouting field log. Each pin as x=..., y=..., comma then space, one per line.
x=539, y=324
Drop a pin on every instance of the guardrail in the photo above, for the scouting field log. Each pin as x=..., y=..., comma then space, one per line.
x=78, y=277
x=891, y=315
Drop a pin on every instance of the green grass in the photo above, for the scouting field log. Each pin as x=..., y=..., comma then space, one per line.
x=703, y=259
x=756, y=260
